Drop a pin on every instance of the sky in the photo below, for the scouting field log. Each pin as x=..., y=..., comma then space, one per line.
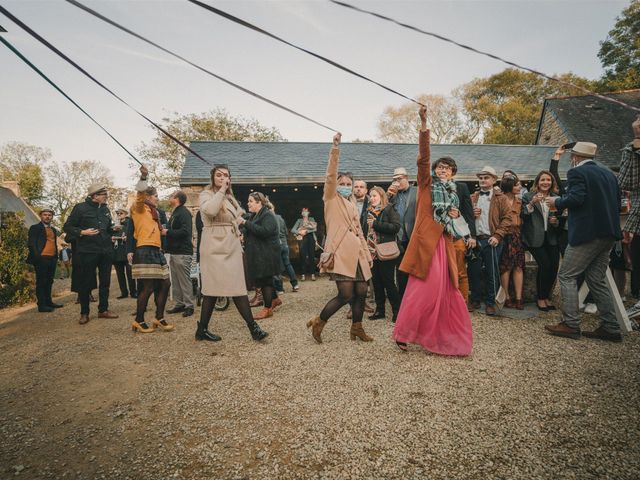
x=550, y=36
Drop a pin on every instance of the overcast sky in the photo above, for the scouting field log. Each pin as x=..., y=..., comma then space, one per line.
x=552, y=36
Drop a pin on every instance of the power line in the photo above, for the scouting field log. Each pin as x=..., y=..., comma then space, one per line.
x=486, y=54
x=208, y=72
x=35, y=35
x=250, y=26
x=51, y=82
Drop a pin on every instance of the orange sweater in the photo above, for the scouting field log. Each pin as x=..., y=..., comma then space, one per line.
x=146, y=229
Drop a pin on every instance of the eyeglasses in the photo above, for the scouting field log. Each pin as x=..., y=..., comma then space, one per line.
x=442, y=166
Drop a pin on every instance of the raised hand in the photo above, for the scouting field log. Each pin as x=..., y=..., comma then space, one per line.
x=144, y=172
x=336, y=139
x=423, y=115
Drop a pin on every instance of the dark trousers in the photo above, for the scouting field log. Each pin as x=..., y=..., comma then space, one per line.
x=277, y=280
x=88, y=263
x=489, y=258
x=401, y=277
x=45, y=268
x=548, y=259
x=308, y=254
x=635, y=264
x=383, y=273
x=123, y=270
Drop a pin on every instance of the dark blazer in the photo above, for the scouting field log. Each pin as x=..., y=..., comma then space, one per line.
x=120, y=245
x=37, y=239
x=532, y=229
x=199, y=228
x=466, y=207
x=90, y=214
x=363, y=216
x=262, y=245
x=180, y=232
x=387, y=225
x=409, y=220
x=593, y=199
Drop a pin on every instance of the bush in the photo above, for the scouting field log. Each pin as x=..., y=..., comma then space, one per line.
x=17, y=285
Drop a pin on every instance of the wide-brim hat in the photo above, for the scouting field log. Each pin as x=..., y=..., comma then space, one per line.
x=96, y=188
x=400, y=172
x=487, y=170
x=584, y=149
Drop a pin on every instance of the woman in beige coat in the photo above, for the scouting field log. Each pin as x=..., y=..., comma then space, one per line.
x=221, y=254
x=351, y=268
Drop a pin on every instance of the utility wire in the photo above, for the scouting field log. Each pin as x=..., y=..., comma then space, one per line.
x=35, y=35
x=208, y=72
x=486, y=54
x=250, y=26
x=50, y=82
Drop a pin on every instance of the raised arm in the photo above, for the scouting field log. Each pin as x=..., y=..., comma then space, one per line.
x=424, y=152
x=331, y=180
x=141, y=186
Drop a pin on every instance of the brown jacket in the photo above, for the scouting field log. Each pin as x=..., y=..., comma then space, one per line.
x=344, y=235
x=426, y=232
x=500, y=214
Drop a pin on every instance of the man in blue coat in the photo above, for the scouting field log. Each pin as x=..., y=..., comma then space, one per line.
x=593, y=200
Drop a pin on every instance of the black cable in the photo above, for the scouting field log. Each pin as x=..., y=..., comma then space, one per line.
x=246, y=24
x=486, y=54
x=208, y=72
x=27, y=29
x=50, y=82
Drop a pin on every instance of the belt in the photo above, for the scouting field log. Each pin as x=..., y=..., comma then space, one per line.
x=483, y=237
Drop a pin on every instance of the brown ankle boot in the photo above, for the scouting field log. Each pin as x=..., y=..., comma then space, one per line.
x=264, y=313
x=257, y=299
x=358, y=331
x=316, y=326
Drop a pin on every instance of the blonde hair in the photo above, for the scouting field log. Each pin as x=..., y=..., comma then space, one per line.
x=384, y=201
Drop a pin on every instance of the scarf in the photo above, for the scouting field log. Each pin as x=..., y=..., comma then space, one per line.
x=443, y=199
x=154, y=213
x=372, y=237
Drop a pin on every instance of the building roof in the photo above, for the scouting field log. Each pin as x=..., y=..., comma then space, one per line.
x=10, y=202
x=590, y=119
x=300, y=162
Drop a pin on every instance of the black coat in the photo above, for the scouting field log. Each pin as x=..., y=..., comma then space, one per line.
x=408, y=221
x=262, y=245
x=466, y=207
x=387, y=225
x=120, y=245
x=180, y=232
x=37, y=239
x=364, y=215
x=90, y=214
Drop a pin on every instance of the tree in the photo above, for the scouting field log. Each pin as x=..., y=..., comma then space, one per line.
x=68, y=184
x=23, y=163
x=165, y=158
x=507, y=105
x=16, y=280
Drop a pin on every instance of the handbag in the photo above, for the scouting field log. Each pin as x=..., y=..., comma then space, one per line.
x=387, y=251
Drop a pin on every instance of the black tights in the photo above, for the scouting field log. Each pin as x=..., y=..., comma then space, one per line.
x=347, y=290
x=209, y=303
x=161, y=288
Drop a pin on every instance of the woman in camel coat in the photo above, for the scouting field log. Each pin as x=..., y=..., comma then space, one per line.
x=221, y=254
x=351, y=269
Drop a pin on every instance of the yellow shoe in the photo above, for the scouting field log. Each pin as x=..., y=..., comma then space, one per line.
x=141, y=327
x=163, y=325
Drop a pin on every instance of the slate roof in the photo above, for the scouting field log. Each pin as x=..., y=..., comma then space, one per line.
x=590, y=119
x=9, y=202
x=299, y=162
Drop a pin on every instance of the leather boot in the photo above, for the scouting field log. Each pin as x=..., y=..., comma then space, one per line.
x=358, y=331
x=264, y=313
x=316, y=326
x=257, y=299
x=256, y=332
x=203, y=333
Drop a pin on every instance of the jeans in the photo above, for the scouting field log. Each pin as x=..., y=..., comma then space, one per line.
x=383, y=272
x=277, y=279
x=489, y=258
x=308, y=254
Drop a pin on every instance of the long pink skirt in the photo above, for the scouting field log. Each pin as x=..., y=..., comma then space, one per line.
x=433, y=312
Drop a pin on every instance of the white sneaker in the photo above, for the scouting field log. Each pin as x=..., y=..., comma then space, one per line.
x=590, y=308
x=280, y=292
x=313, y=277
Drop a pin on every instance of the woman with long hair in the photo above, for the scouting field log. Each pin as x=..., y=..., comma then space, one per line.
x=221, y=254
x=262, y=248
x=305, y=232
x=541, y=234
x=149, y=265
x=433, y=313
x=346, y=253
x=512, y=258
x=384, y=225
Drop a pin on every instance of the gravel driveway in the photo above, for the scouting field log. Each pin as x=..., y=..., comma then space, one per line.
x=98, y=401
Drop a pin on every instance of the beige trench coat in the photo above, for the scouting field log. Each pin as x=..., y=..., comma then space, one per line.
x=342, y=219
x=220, y=249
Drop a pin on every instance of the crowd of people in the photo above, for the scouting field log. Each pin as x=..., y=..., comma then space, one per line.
x=434, y=250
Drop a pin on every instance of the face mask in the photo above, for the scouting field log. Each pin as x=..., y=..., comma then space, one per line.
x=344, y=191
x=305, y=214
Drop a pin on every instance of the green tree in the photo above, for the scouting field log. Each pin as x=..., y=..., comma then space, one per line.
x=16, y=279
x=507, y=105
x=620, y=52
x=445, y=119
x=23, y=163
x=165, y=158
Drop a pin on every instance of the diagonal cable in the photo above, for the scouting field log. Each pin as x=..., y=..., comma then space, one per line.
x=486, y=54
x=250, y=26
x=35, y=35
x=50, y=82
x=202, y=69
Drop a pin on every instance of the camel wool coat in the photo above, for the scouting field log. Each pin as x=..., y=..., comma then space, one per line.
x=426, y=232
x=220, y=248
x=344, y=234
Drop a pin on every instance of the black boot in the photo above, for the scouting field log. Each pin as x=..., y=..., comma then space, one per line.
x=203, y=334
x=256, y=332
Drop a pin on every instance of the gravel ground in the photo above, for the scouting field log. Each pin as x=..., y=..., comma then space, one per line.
x=98, y=401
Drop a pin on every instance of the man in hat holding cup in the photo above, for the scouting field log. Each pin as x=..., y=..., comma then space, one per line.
x=43, y=255
x=91, y=227
x=593, y=199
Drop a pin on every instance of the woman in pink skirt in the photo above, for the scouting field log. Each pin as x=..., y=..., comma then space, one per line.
x=433, y=313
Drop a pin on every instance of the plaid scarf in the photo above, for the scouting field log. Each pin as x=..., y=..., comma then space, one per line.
x=372, y=237
x=443, y=199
